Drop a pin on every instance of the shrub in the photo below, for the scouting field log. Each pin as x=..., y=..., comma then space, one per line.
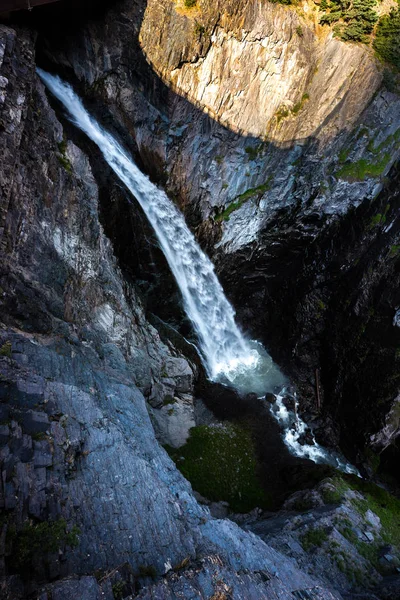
x=387, y=38
x=6, y=350
x=118, y=590
x=390, y=81
x=190, y=3
x=282, y=113
x=354, y=20
x=313, y=537
x=199, y=29
x=39, y=540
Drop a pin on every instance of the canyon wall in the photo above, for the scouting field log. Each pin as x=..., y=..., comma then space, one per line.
x=87, y=494
x=283, y=162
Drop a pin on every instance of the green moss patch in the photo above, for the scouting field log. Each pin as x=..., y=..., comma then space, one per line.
x=362, y=169
x=35, y=541
x=379, y=501
x=379, y=218
x=6, y=350
x=62, y=157
x=313, y=537
x=283, y=111
x=240, y=200
x=220, y=462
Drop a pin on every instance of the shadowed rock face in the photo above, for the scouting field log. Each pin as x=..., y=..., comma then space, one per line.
x=303, y=227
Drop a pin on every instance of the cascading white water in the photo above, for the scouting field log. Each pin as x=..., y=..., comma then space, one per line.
x=226, y=354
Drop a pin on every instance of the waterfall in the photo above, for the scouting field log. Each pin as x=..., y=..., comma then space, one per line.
x=226, y=354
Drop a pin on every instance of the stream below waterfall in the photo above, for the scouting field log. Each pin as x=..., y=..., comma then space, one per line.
x=227, y=355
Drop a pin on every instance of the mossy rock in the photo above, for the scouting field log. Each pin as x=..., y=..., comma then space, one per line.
x=220, y=462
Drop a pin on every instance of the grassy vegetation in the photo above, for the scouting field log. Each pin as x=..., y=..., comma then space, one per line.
x=283, y=112
x=118, y=590
x=362, y=169
x=379, y=219
x=382, y=504
x=6, y=350
x=62, y=157
x=37, y=540
x=240, y=200
x=332, y=496
x=199, y=29
x=379, y=501
x=190, y=3
x=287, y=2
x=253, y=152
x=221, y=464
x=313, y=537
x=394, y=251
x=391, y=139
x=372, y=166
x=344, y=155
x=299, y=105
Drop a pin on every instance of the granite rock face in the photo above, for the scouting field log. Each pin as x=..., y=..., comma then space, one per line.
x=90, y=499
x=289, y=61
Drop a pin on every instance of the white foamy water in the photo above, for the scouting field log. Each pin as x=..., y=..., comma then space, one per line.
x=295, y=428
x=228, y=357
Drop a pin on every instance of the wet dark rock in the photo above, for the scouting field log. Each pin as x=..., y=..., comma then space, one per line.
x=306, y=438
x=271, y=398
x=289, y=402
x=251, y=397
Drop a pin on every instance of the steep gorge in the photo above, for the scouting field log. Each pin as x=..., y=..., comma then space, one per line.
x=267, y=200
x=261, y=161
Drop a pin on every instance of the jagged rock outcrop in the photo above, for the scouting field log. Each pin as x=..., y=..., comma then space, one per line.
x=86, y=490
x=340, y=531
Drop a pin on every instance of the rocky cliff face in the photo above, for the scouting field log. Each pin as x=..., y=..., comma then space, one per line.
x=289, y=184
x=86, y=489
x=283, y=168
x=294, y=69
